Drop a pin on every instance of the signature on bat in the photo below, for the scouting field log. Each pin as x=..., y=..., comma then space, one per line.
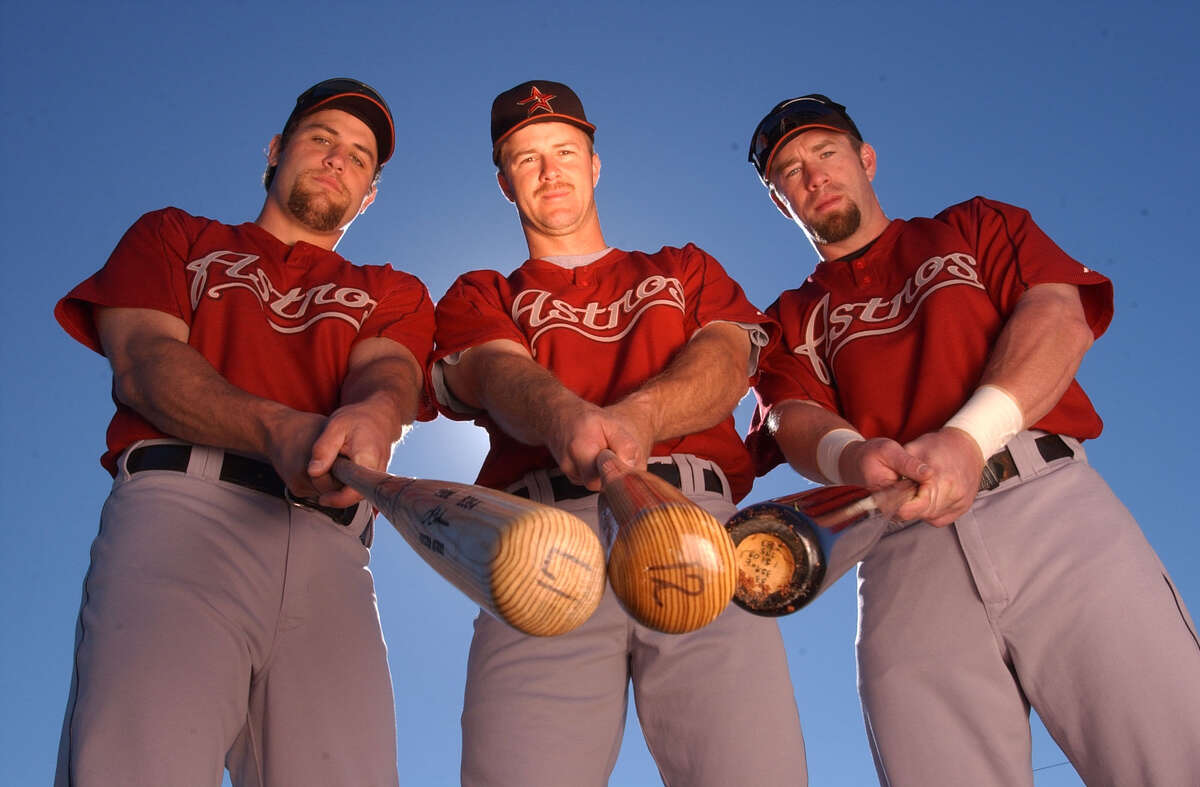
x=693, y=582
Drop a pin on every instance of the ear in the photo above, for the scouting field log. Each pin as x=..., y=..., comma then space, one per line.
x=274, y=149
x=595, y=169
x=505, y=186
x=367, y=200
x=867, y=155
x=779, y=203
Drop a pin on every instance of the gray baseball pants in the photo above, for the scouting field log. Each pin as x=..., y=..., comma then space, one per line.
x=223, y=626
x=716, y=705
x=1044, y=593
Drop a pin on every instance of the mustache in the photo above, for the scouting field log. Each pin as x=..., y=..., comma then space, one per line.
x=554, y=186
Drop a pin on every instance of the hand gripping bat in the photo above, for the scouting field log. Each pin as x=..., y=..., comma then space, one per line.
x=539, y=569
x=670, y=562
x=791, y=549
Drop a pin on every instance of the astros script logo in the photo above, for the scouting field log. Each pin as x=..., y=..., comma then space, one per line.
x=830, y=327
x=538, y=311
x=292, y=311
x=537, y=100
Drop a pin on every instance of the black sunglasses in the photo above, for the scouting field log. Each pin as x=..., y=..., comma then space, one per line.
x=795, y=113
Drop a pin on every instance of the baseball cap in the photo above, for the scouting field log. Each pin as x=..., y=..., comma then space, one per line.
x=533, y=102
x=788, y=118
x=357, y=98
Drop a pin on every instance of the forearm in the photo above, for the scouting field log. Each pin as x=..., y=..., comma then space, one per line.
x=520, y=396
x=699, y=388
x=386, y=386
x=173, y=387
x=1040, y=349
x=798, y=427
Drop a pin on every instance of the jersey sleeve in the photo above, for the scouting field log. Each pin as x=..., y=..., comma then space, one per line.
x=405, y=315
x=1014, y=255
x=716, y=297
x=785, y=374
x=145, y=270
x=472, y=312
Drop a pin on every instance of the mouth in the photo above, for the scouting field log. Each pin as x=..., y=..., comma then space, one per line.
x=554, y=192
x=826, y=203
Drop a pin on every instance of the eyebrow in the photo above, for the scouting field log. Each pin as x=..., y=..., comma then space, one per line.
x=554, y=146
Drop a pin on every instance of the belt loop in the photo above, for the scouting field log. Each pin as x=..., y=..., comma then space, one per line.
x=205, y=462
x=691, y=478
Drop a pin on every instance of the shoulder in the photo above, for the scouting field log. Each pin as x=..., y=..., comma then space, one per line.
x=979, y=208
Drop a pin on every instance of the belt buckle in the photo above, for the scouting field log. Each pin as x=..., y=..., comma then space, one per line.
x=310, y=504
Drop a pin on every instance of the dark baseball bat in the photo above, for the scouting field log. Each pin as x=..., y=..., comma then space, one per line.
x=670, y=562
x=539, y=569
x=790, y=549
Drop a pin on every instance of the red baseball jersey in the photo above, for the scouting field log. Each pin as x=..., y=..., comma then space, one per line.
x=603, y=329
x=277, y=321
x=896, y=339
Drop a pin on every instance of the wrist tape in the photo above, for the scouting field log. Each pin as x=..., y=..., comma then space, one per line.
x=991, y=417
x=829, y=451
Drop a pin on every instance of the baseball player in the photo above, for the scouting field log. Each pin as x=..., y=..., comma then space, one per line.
x=228, y=616
x=944, y=350
x=581, y=348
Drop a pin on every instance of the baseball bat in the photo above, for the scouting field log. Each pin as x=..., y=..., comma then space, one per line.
x=790, y=549
x=539, y=569
x=670, y=562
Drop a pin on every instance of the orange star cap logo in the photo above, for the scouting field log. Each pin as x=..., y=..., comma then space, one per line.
x=537, y=101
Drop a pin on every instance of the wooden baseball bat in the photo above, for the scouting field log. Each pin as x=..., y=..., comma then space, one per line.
x=539, y=569
x=670, y=562
x=790, y=549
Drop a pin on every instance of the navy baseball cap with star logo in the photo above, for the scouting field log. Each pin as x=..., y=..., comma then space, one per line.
x=533, y=102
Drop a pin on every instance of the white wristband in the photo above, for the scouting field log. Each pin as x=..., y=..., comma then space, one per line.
x=991, y=416
x=829, y=451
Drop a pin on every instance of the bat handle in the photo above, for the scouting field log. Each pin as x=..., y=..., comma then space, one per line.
x=889, y=499
x=609, y=465
x=354, y=475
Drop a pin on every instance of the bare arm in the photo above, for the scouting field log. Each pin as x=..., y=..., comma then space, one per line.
x=1034, y=360
x=699, y=388
x=171, y=385
x=798, y=427
x=379, y=402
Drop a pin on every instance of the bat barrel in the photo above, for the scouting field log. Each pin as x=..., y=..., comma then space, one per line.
x=539, y=569
x=671, y=563
x=780, y=560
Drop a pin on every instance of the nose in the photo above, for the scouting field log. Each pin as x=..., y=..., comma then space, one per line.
x=550, y=168
x=815, y=177
x=336, y=158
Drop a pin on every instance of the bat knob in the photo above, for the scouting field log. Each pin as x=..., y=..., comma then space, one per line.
x=780, y=563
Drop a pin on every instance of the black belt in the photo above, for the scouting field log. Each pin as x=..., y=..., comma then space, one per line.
x=1001, y=467
x=562, y=488
x=236, y=469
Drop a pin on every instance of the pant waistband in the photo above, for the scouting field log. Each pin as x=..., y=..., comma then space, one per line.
x=231, y=468
x=688, y=473
x=1002, y=466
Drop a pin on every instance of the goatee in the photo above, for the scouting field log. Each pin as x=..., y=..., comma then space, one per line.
x=315, y=210
x=837, y=227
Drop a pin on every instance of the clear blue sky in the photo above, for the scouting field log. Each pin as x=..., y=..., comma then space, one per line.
x=1082, y=112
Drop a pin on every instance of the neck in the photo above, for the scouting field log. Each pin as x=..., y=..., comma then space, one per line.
x=585, y=240
x=276, y=220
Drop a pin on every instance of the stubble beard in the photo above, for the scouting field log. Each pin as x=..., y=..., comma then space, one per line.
x=315, y=209
x=837, y=227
